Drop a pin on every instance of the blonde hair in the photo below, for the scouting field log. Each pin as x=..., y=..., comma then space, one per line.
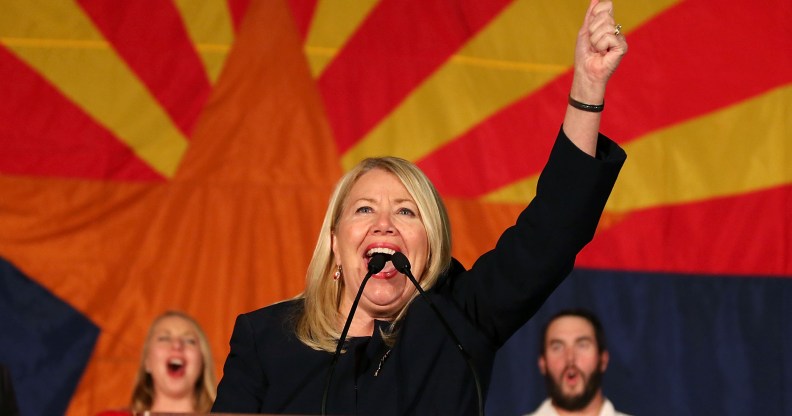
x=317, y=324
x=205, y=387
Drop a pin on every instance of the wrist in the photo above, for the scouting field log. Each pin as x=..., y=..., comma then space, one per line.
x=587, y=92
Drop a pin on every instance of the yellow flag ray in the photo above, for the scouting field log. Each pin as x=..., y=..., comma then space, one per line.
x=512, y=56
x=209, y=26
x=61, y=43
x=738, y=149
x=333, y=23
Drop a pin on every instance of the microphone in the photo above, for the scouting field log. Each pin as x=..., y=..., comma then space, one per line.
x=401, y=264
x=376, y=263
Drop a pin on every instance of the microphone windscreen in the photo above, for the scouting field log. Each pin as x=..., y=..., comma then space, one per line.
x=377, y=262
x=400, y=262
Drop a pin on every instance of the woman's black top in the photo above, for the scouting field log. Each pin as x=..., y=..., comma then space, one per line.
x=270, y=371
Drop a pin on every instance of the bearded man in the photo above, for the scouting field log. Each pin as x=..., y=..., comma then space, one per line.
x=573, y=359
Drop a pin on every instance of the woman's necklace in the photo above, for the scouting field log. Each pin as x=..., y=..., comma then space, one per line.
x=382, y=360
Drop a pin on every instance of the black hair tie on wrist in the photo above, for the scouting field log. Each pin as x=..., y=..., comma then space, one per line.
x=586, y=107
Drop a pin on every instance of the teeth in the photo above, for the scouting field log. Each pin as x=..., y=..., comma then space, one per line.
x=176, y=361
x=382, y=250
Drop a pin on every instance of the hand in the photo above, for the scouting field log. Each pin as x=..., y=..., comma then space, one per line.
x=597, y=53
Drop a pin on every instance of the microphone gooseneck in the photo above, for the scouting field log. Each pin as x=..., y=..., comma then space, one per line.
x=401, y=264
x=376, y=263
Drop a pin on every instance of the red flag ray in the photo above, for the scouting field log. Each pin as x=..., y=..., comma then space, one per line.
x=151, y=38
x=397, y=47
x=46, y=134
x=238, y=8
x=701, y=237
x=507, y=147
x=303, y=11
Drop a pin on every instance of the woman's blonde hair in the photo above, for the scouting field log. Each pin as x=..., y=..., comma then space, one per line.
x=205, y=386
x=318, y=324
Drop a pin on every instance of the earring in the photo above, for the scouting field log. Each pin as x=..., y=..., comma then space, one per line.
x=338, y=273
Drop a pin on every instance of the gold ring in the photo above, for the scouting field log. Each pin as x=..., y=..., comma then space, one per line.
x=617, y=30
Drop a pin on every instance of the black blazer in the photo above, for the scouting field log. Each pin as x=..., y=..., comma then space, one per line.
x=269, y=371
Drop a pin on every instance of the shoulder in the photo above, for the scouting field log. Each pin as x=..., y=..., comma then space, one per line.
x=279, y=317
x=609, y=410
x=276, y=311
x=545, y=409
x=447, y=279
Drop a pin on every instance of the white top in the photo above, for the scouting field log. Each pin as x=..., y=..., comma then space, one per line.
x=547, y=409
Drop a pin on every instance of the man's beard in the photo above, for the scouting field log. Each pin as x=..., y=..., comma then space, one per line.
x=577, y=402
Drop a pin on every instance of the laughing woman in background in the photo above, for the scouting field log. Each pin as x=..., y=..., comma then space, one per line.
x=175, y=373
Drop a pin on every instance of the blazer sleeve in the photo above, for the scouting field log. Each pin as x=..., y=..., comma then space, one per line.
x=243, y=384
x=508, y=284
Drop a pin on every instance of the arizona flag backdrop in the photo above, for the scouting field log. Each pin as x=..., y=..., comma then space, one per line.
x=179, y=154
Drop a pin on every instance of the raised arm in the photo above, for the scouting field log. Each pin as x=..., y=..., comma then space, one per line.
x=599, y=49
x=508, y=284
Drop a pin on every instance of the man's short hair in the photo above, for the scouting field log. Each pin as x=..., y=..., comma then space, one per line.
x=586, y=314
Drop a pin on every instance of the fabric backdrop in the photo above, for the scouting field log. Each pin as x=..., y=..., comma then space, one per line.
x=163, y=155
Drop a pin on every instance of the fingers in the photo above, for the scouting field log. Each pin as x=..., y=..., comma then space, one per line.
x=602, y=27
x=598, y=51
x=602, y=6
x=589, y=13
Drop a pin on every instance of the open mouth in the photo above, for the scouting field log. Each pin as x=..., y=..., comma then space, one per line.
x=388, y=271
x=176, y=367
x=388, y=252
x=572, y=376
